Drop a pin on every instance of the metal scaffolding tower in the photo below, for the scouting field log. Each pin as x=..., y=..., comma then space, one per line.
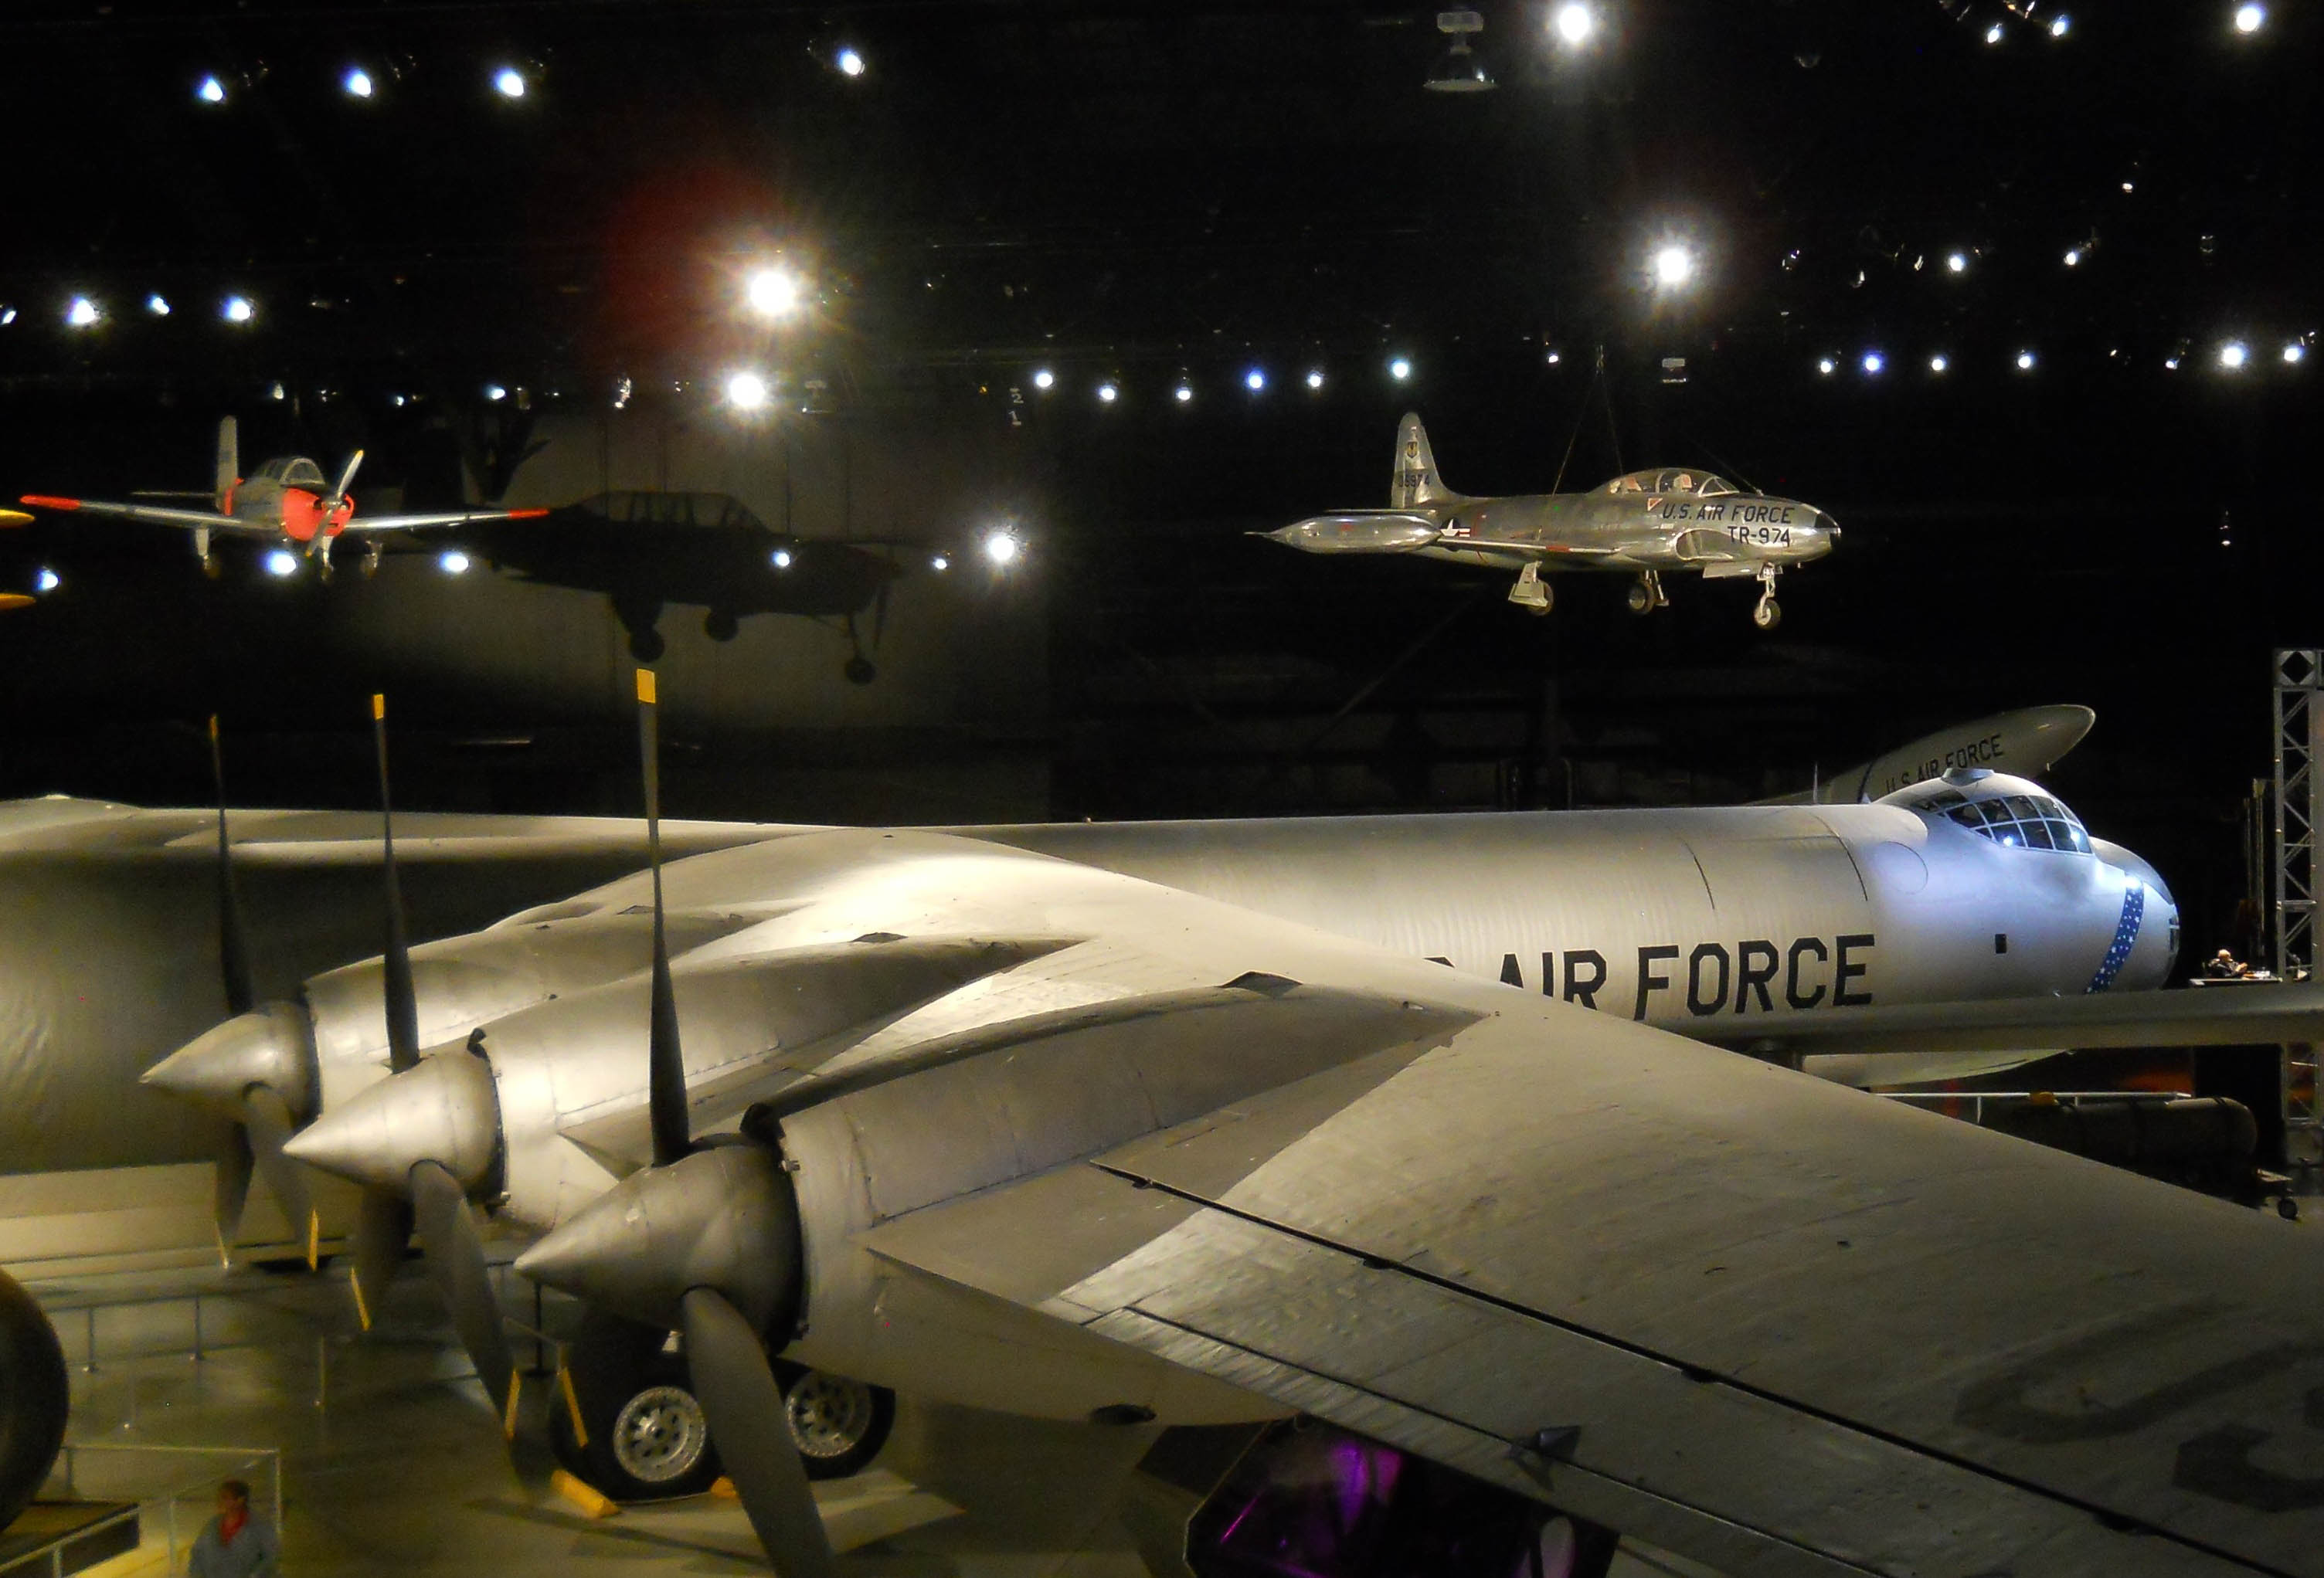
x=2299, y=808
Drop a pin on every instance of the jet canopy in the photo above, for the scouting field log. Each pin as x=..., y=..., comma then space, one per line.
x=2008, y=811
x=292, y=471
x=1700, y=484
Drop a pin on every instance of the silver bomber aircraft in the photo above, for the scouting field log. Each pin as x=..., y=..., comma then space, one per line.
x=1644, y=524
x=1668, y=938
x=1019, y=1132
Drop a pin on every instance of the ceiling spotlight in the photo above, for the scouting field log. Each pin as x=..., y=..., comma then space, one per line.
x=46, y=580
x=274, y=389
x=850, y=62
x=747, y=391
x=1994, y=34
x=1573, y=22
x=452, y=562
x=2061, y=25
x=158, y=305
x=1938, y=363
x=2024, y=360
x=81, y=312
x=2129, y=186
x=210, y=90
x=2073, y=257
x=1002, y=546
x=357, y=82
x=2294, y=351
x=1107, y=392
x=1183, y=393
x=939, y=562
x=236, y=309
x=1314, y=377
x=780, y=558
x=1673, y=266
x=1956, y=262
x=2250, y=18
x=1254, y=380
x=1044, y=378
x=1874, y=362
x=1459, y=69
x=1553, y=358
x=2233, y=354
x=7, y=315
x=281, y=563
x=771, y=292
x=1400, y=369
x=1827, y=366
x=495, y=392
x=509, y=82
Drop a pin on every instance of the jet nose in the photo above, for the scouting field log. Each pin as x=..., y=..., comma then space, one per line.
x=446, y=1111
x=272, y=1046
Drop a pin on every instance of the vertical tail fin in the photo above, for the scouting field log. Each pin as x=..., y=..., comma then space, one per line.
x=1415, y=480
x=228, y=467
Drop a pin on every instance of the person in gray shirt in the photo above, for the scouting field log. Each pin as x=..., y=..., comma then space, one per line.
x=238, y=1543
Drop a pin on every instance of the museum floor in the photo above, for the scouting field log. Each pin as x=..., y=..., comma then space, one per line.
x=389, y=1463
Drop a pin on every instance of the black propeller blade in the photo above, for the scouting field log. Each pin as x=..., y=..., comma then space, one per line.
x=403, y=1001
x=732, y=1377
x=255, y=1143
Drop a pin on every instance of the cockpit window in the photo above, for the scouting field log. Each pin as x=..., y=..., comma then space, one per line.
x=1715, y=487
x=2021, y=822
x=303, y=473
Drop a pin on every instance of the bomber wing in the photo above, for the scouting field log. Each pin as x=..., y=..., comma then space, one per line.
x=1772, y=1325
x=152, y=514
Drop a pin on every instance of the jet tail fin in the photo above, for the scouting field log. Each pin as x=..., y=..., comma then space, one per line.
x=1414, y=480
x=228, y=468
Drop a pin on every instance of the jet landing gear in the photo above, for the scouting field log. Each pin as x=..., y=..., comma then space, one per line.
x=633, y=1427
x=1646, y=593
x=1531, y=592
x=1766, y=613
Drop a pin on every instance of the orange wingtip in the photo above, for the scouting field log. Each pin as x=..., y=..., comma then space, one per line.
x=15, y=518
x=43, y=501
x=11, y=601
x=526, y=514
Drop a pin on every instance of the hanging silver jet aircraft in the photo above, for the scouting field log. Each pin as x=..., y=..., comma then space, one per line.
x=1642, y=524
x=287, y=503
x=1160, y=1157
x=2026, y=743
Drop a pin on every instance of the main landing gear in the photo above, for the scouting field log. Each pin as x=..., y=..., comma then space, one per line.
x=1766, y=613
x=1646, y=593
x=1531, y=592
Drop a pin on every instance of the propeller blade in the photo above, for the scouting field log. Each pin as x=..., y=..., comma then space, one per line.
x=347, y=480
x=230, y=1190
x=383, y=1232
x=403, y=1001
x=748, y=1422
x=456, y=1259
x=665, y=1059
x=233, y=944
x=266, y=1119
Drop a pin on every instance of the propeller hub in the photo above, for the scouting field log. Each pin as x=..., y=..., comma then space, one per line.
x=723, y=1218
x=272, y=1046
x=446, y=1111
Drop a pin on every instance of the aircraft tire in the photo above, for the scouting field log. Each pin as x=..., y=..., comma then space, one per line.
x=859, y=670
x=1638, y=598
x=1767, y=614
x=838, y=1423
x=720, y=625
x=35, y=1396
x=647, y=1437
x=647, y=646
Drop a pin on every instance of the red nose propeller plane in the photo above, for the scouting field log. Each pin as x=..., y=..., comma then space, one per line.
x=287, y=501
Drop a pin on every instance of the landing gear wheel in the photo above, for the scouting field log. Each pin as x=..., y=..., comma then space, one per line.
x=1766, y=613
x=34, y=1394
x=839, y=1424
x=648, y=1438
x=1639, y=598
x=1531, y=592
x=720, y=625
x=859, y=670
x=371, y=561
x=211, y=567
